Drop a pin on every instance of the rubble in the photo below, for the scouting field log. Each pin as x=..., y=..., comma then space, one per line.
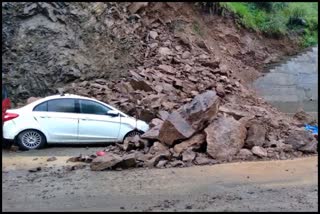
x=193, y=100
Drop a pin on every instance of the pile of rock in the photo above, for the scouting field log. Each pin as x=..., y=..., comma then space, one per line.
x=198, y=133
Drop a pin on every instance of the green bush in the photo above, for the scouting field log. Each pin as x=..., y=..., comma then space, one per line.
x=279, y=18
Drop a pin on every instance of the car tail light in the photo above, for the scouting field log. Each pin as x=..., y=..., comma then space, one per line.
x=9, y=116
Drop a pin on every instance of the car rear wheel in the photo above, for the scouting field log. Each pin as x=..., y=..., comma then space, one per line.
x=31, y=139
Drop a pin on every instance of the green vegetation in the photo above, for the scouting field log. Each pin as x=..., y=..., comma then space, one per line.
x=279, y=18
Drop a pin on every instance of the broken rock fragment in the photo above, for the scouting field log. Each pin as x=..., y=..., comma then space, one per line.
x=195, y=142
x=302, y=140
x=153, y=133
x=188, y=155
x=104, y=162
x=225, y=137
x=190, y=118
x=255, y=136
x=259, y=151
x=51, y=159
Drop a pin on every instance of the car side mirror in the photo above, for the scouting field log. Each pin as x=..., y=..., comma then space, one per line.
x=113, y=113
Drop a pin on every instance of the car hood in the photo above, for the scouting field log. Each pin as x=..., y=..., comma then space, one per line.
x=138, y=124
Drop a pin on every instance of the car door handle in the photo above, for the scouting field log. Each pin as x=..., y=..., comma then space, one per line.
x=43, y=117
x=84, y=119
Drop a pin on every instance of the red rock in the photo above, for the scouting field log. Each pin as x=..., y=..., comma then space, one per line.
x=302, y=140
x=136, y=6
x=153, y=133
x=140, y=85
x=163, y=115
x=167, y=68
x=195, y=142
x=255, y=136
x=104, y=162
x=190, y=118
x=155, y=121
x=186, y=55
x=158, y=147
x=164, y=51
x=188, y=155
x=153, y=34
x=225, y=137
x=259, y=151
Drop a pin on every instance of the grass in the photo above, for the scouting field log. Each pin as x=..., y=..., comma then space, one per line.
x=274, y=22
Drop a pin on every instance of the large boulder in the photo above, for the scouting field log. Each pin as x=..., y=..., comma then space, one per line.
x=190, y=118
x=302, y=140
x=304, y=118
x=195, y=142
x=255, y=136
x=225, y=137
x=105, y=162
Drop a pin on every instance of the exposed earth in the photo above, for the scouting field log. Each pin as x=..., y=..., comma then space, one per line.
x=286, y=185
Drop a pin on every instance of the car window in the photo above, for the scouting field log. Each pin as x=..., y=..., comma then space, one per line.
x=91, y=107
x=41, y=107
x=62, y=105
x=4, y=93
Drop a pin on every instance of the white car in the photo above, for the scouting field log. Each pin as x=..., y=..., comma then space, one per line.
x=68, y=118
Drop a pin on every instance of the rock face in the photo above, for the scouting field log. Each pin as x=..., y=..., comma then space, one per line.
x=190, y=118
x=255, y=136
x=225, y=137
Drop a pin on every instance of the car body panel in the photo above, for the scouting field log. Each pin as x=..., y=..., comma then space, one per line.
x=108, y=130
x=51, y=123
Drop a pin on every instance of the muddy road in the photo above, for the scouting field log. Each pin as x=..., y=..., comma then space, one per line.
x=287, y=185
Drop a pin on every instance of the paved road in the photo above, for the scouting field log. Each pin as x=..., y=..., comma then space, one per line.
x=287, y=185
x=293, y=84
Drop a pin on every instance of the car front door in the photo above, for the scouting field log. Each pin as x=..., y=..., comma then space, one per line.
x=59, y=119
x=94, y=123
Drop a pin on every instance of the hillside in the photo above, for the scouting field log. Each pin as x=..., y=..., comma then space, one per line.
x=51, y=45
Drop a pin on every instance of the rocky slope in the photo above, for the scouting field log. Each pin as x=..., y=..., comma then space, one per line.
x=48, y=45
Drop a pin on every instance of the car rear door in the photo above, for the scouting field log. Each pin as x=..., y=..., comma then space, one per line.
x=59, y=119
x=94, y=123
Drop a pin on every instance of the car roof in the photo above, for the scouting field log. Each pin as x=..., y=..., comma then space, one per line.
x=66, y=96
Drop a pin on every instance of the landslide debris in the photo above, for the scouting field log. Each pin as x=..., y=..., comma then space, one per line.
x=147, y=60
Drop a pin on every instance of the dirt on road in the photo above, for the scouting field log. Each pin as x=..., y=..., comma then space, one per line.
x=287, y=185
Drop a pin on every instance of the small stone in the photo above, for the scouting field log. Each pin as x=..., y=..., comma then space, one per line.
x=153, y=34
x=51, y=159
x=35, y=169
x=259, y=151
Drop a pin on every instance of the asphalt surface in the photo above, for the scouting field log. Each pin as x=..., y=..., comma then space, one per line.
x=287, y=185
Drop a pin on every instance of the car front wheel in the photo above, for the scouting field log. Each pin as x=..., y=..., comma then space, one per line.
x=132, y=134
x=31, y=139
